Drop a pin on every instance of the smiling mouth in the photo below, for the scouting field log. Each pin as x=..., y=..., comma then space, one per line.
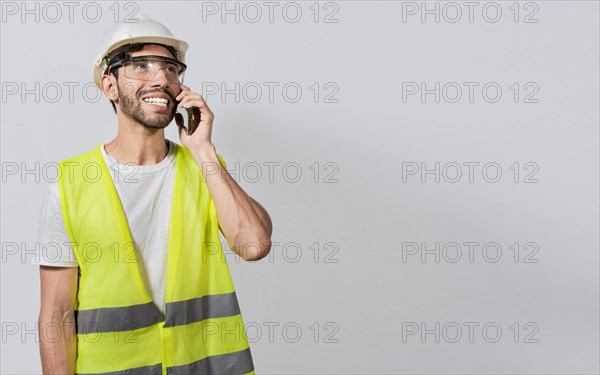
x=159, y=102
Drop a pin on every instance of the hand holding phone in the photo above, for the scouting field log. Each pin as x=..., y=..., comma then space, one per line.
x=188, y=118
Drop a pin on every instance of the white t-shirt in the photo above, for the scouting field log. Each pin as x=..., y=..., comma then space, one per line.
x=145, y=193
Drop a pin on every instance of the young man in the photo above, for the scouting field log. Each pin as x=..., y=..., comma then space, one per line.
x=143, y=286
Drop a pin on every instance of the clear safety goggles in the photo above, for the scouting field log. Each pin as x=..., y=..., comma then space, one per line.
x=145, y=68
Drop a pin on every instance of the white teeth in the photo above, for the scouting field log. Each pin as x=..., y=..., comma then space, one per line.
x=159, y=101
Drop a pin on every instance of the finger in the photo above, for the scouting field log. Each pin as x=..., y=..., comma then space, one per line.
x=181, y=95
x=185, y=91
x=193, y=97
x=192, y=102
x=190, y=97
x=179, y=120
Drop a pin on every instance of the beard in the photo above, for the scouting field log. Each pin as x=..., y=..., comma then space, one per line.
x=132, y=107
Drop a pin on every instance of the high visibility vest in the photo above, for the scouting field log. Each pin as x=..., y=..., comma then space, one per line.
x=119, y=329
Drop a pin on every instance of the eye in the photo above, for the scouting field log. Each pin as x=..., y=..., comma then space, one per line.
x=171, y=68
x=140, y=65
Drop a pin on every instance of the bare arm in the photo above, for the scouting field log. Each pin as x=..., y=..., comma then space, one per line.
x=243, y=221
x=245, y=224
x=58, y=292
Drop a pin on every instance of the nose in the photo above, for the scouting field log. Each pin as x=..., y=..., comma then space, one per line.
x=160, y=79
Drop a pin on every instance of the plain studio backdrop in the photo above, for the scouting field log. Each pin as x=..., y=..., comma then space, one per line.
x=431, y=170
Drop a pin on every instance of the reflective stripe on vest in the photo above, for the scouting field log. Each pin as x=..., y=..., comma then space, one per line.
x=119, y=328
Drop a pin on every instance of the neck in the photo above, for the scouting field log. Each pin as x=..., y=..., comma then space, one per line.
x=137, y=145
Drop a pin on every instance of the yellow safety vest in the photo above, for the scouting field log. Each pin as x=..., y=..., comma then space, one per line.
x=119, y=328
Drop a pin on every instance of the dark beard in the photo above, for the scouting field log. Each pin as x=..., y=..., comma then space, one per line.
x=132, y=108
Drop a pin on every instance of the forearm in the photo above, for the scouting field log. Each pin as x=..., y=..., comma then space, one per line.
x=58, y=342
x=244, y=222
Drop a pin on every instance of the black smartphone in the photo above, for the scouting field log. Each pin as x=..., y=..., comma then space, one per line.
x=190, y=118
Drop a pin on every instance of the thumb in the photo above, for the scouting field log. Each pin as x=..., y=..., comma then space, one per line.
x=179, y=122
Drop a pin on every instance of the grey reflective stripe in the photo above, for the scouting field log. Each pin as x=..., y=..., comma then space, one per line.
x=113, y=319
x=146, y=370
x=197, y=309
x=230, y=364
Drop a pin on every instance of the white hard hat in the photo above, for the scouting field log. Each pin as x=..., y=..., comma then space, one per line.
x=144, y=30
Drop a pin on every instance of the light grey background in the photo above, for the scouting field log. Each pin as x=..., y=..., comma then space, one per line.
x=363, y=302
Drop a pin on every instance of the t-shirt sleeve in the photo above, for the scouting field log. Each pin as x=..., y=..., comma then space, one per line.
x=53, y=243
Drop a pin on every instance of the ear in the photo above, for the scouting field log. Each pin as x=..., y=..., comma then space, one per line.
x=108, y=85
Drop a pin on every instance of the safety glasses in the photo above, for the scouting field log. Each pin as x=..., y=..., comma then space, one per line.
x=145, y=68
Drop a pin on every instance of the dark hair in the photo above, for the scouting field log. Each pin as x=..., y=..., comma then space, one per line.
x=123, y=53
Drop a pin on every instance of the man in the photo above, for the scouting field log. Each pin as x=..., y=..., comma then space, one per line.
x=143, y=286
